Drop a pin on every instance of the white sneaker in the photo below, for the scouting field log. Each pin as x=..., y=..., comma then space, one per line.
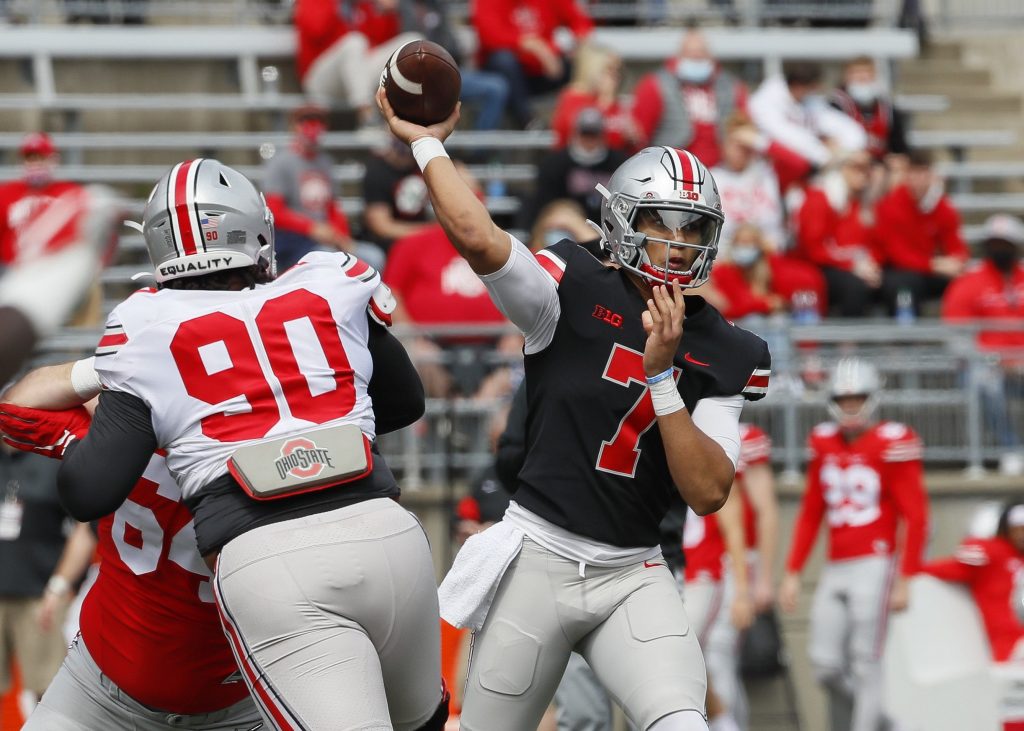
x=1011, y=464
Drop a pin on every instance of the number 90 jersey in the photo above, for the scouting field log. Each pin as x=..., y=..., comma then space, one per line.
x=223, y=369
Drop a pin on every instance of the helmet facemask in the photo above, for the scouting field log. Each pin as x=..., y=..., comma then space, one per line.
x=858, y=420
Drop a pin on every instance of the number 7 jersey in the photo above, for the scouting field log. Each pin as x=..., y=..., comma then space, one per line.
x=223, y=369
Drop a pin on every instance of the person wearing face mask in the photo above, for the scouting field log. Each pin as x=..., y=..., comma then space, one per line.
x=919, y=239
x=790, y=110
x=596, y=82
x=574, y=171
x=687, y=102
x=563, y=219
x=23, y=199
x=835, y=232
x=994, y=290
x=756, y=281
x=300, y=192
x=862, y=96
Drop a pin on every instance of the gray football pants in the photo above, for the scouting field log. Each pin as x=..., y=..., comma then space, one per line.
x=848, y=622
x=82, y=698
x=333, y=619
x=628, y=624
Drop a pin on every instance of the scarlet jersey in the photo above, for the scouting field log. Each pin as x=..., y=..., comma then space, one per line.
x=149, y=620
x=863, y=488
x=221, y=370
x=703, y=543
x=990, y=568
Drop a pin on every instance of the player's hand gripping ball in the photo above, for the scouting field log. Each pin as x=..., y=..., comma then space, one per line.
x=422, y=83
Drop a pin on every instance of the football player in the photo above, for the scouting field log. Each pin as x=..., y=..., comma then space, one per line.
x=865, y=479
x=257, y=388
x=626, y=405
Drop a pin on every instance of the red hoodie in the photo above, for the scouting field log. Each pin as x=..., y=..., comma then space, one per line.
x=987, y=293
x=320, y=25
x=501, y=24
x=827, y=237
x=908, y=237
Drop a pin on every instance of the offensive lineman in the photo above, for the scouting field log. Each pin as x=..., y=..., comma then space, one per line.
x=576, y=562
x=866, y=478
x=257, y=388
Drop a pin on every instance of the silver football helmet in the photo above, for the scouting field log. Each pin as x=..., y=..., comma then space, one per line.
x=203, y=217
x=669, y=192
x=854, y=377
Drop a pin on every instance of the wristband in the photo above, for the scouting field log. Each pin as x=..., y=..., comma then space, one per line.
x=426, y=149
x=58, y=585
x=661, y=376
x=665, y=397
x=84, y=378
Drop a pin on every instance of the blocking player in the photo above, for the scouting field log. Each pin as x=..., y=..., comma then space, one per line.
x=865, y=479
x=626, y=405
x=258, y=389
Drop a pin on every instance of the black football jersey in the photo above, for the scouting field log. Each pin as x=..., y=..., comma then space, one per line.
x=595, y=462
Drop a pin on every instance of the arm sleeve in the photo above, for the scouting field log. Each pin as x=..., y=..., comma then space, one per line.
x=789, y=166
x=952, y=242
x=99, y=471
x=812, y=508
x=395, y=387
x=949, y=569
x=719, y=418
x=769, y=113
x=573, y=15
x=526, y=294
x=842, y=128
x=512, y=443
x=814, y=223
x=912, y=504
x=287, y=219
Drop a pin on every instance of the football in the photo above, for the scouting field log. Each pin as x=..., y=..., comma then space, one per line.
x=422, y=82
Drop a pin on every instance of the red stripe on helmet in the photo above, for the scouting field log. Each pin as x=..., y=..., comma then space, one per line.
x=689, y=167
x=182, y=208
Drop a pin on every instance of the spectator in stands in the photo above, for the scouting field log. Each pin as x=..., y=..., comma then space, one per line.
x=573, y=171
x=397, y=203
x=596, y=82
x=43, y=557
x=434, y=286
x=791, y=111
x=517, y=40
x=990, y=568
x=918, y=233
x=687, y=102
x=863, y=98
x=835, y=232
x=748, y=177
x=756, y=281
x=994, y=290
x=343, y=47
x=560, y=219
x=299, y=188
x=484, y=91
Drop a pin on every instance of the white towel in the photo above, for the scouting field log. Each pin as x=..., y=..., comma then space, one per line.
x=467, y=591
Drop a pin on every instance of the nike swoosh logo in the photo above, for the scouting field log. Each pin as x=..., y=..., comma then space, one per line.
x=649, y=565
x=690, y=359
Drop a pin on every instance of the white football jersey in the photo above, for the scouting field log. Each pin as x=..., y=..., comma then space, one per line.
x=222, y=370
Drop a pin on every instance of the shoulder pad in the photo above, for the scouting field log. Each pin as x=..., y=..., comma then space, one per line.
x=893, y=430
x=901, y=442
x=382, y=303
x=825, y=429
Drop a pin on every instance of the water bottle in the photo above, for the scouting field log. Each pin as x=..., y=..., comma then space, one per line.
x=805, y=307
x=905, y=307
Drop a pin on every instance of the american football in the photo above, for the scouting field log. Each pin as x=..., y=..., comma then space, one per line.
x=422, y=82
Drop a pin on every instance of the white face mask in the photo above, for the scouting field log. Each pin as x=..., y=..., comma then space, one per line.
x=38, y=173
x=864, y=93
x=744, y=255
x=694, y=70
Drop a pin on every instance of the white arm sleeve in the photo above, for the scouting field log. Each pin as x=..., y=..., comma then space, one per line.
x=527, y=295
x=719, y=418
x=845, y=130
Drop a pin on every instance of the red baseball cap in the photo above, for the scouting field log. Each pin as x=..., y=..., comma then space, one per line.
x=37, y=143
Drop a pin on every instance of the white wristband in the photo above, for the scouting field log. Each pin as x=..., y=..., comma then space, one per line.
x=665, y=397
x=426, y=149
x=84, y=378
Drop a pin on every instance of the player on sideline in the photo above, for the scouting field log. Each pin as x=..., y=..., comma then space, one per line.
x=576, y=563
x=865, y=477
x=258, y=390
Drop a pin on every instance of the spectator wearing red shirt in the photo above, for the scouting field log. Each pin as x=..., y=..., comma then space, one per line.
x=299, y=187
x=990, y=567
x=994, y=290
x=596, y=80
x=755, y=281
x=918, y=234
x=835, y=232
x=342, y=48
x=517, y=40
x=687, y=102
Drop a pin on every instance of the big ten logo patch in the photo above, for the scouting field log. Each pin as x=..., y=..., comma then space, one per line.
x=605, y=315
